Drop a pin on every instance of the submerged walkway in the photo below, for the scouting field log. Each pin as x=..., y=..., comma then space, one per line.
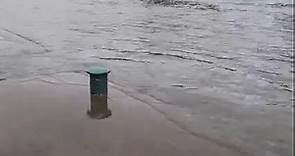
x=43, y=116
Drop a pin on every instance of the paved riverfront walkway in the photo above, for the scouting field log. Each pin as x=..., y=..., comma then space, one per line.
x=46, y=116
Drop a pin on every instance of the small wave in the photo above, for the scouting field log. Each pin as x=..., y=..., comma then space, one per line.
x=38, y=43
x=287, y=89
x=89, y=12
x=268, y=72
x=179, y=56
x=178, y=85
x=287, y=56
x=186, y=4
x=132, y=40
x=159, y=54
x=205, y=54
x=230, y=69
x=280, y=60
x=84, y=31
x=124, y=59
x=2, y=79
x=119, y=50
x=280, y=5
x=245, y=3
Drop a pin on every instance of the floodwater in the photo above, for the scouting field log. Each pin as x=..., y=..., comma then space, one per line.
x=226, y=71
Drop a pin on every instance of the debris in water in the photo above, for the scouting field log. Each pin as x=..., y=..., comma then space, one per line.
x=2, y=79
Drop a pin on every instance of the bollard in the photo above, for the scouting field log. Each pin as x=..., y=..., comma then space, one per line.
x=98, y=81
x=99, y=93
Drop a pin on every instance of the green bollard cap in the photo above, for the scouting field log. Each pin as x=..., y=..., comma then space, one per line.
x=98, y=71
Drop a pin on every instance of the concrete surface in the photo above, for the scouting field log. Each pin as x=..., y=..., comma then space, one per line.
x=45, y=116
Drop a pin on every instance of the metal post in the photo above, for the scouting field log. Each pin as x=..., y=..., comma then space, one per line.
x=99, y=93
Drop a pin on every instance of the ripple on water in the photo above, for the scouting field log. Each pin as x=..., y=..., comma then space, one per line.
x=184, y=4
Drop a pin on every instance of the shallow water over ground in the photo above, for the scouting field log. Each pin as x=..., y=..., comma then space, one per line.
x=227, y=70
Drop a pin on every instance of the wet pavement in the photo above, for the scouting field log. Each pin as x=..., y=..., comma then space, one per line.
x=42, y=117
x=222, y=73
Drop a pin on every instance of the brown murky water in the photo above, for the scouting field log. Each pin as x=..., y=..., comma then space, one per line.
x=228, y=71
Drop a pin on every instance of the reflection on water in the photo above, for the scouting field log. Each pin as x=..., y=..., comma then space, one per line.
x=98, y=107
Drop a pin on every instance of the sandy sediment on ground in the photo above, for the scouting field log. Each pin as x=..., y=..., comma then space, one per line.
x=47, y=116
